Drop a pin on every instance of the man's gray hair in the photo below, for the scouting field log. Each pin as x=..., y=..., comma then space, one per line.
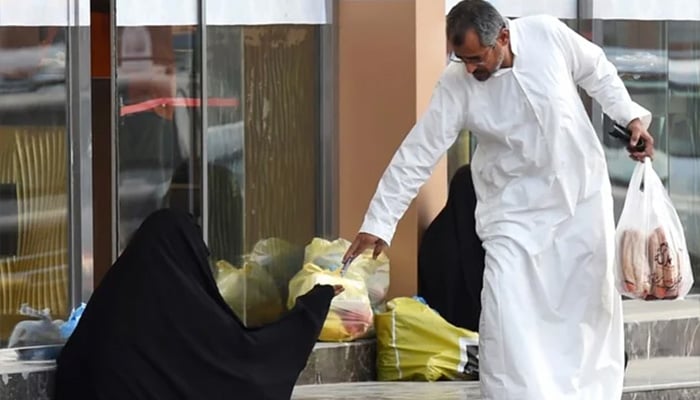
x=479, y=15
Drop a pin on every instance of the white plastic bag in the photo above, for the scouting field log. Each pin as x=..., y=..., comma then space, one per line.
x=652, y=260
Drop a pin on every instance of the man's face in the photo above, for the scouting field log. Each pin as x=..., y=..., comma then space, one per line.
x=482, y=61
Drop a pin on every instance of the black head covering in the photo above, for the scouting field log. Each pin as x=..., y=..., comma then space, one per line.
x=451, y=258
x=157, y=328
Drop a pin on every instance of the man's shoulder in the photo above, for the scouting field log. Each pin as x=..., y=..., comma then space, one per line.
x=539, y=29
x=453, y=74
x=542, y=22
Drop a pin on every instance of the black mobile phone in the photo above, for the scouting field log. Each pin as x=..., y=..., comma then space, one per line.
x=624, y=135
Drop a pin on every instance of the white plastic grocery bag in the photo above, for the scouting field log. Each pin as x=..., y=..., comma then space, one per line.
x=652, y=260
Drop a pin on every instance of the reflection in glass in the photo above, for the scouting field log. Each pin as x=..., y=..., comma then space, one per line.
x=684, y=131
x=262, y=160
x=33, y=174
x=282, y=124
x=225, y=142
x=157, y=131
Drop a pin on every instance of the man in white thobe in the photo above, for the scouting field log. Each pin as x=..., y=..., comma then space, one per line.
x=551, y=324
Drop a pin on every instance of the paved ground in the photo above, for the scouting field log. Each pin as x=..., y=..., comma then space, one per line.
x=646, y=379
x=390, y=391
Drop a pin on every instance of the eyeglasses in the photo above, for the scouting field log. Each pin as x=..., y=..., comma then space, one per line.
x=471, y=60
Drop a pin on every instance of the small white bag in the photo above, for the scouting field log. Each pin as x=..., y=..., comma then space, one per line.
x=652, y=260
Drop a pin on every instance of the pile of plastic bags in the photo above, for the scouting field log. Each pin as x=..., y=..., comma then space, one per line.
x=279, y=258
x=256, y=291
x=276, y=273
x=366, y=283
x=374, y=273
x=251, y=292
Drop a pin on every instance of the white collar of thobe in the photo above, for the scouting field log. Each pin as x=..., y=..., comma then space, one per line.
x=513, y=47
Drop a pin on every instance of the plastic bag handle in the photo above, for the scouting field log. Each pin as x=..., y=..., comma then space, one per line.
x=651, y=178
x=639, y=176
x=648, y=170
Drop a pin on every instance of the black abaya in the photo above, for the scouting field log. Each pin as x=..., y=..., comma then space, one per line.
x=451, y=258
x=157, y=328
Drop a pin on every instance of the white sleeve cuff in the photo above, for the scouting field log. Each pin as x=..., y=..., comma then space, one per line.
x=637, y=111
x=378, y=229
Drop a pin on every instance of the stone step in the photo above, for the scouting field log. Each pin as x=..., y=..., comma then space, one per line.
x=653, y=379
x=663, y=378
x=328, y=363
x=25, y=380
x=341, y=362
x=662, y=328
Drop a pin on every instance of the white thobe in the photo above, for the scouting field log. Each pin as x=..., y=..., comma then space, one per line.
x=551, y=323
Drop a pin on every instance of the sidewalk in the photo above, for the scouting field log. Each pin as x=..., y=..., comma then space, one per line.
x=672, y=378
x=390, y=391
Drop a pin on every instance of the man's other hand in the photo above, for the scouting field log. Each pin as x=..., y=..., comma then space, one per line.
x=639, y=132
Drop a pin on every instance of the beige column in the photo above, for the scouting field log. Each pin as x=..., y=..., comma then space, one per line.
x=391, y=53
x=430, y=62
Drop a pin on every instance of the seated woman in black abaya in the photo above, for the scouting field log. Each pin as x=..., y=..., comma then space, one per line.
x=451, y=258
x=157, y=328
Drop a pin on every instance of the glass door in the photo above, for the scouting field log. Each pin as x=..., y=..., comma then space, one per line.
x=221, y=111
x=45, y=196
x=158, y=115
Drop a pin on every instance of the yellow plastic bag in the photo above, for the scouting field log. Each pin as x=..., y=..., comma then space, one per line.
x=326, y=254
x=329, y=255
x=281, y=259
x=251, y=293
x=350, y=316
x=415, y=343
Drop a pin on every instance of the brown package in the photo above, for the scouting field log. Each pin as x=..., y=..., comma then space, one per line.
x=635, y=266
x=664, y=264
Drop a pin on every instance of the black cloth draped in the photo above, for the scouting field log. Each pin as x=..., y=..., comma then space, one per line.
x=451, y=258
x=157, y=328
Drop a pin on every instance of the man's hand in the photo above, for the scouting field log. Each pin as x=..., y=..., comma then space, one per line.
x=362, y=242
x=639, y=132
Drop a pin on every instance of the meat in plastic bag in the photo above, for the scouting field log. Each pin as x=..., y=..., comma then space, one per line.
x=350, y=316
x=652, y=260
